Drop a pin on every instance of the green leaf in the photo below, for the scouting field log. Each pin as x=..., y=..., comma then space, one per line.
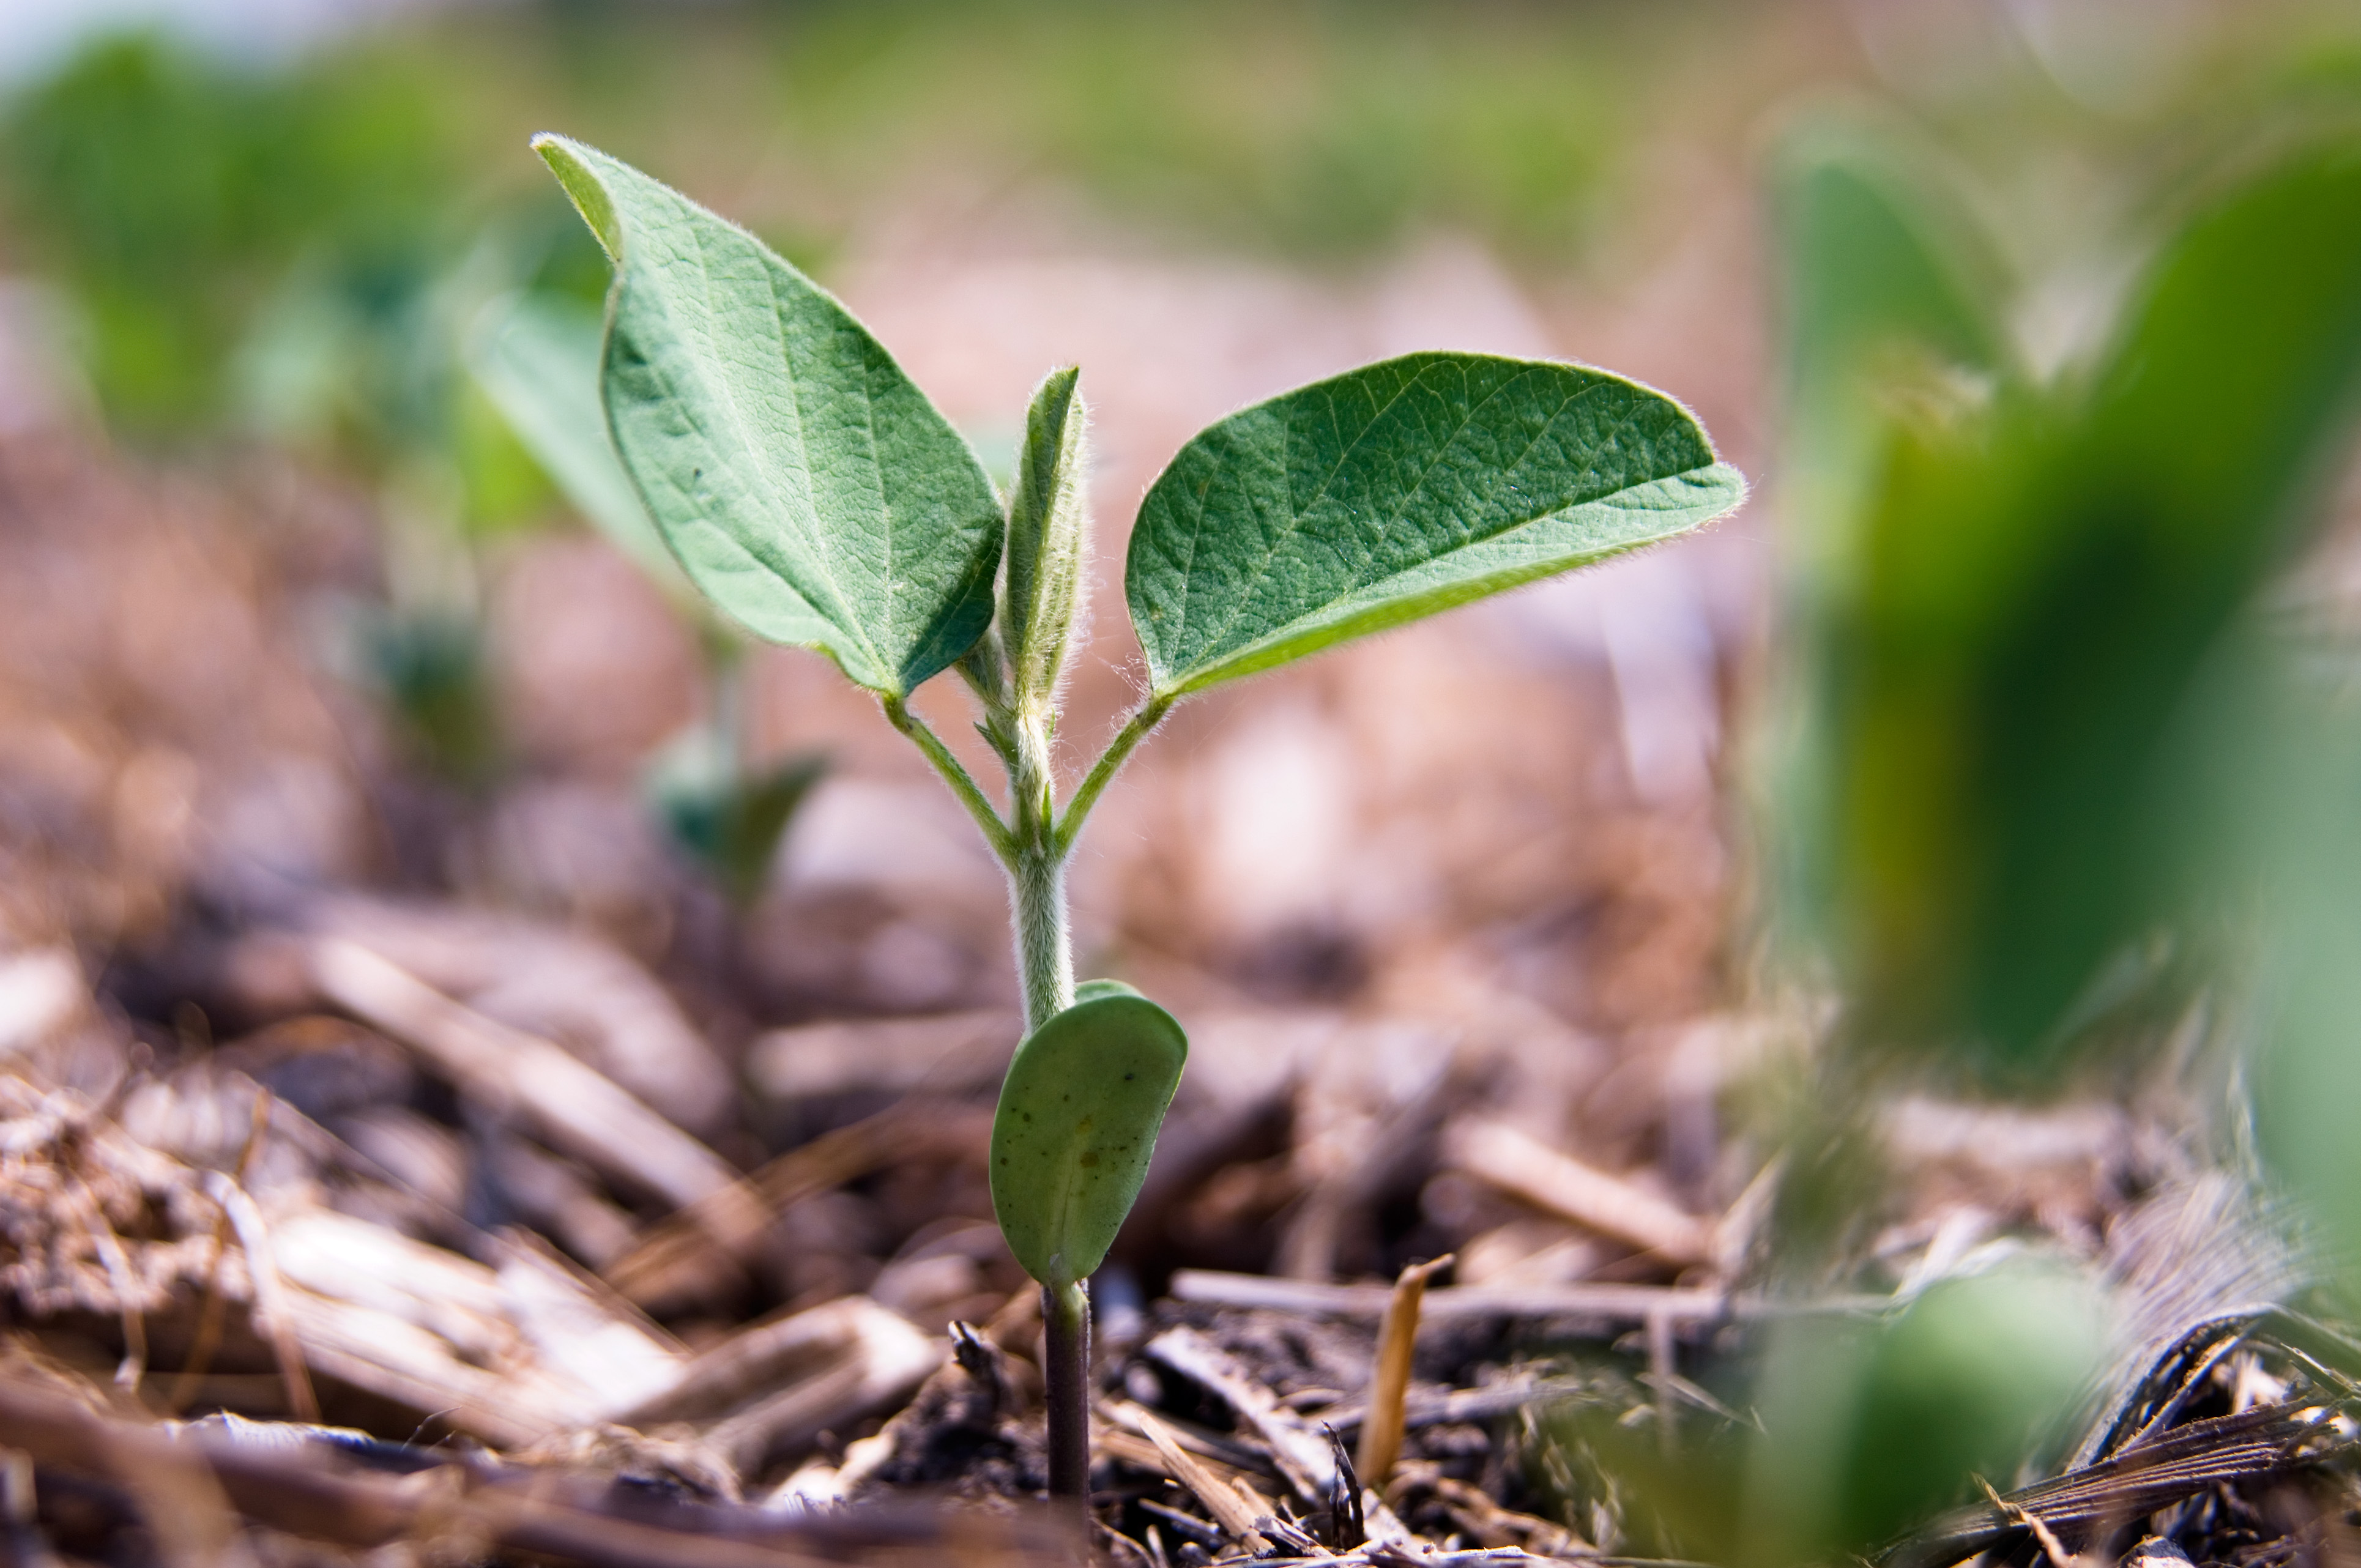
x=2200, y=467
x=1077, y=1123
x=1876, y=252
x=1889, y=287
x=802, y=480
x=2045, y=585
x=536, y=357
x=729, y=819
x=1046, y=522
x=2228, y=396
x=1397, y=490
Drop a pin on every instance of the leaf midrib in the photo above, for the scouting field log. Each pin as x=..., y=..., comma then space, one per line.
x=1296, y=513
x=725, y=395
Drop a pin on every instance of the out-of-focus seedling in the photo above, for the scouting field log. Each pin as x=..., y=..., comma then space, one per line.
x=535, y=355
x=2026, y=681
x=2014, y=587
x=809, y=489
x=430, y=664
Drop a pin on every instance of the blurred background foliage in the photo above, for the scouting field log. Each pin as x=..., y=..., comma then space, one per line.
x=186, y=194
x=2063, y=746
x=2017, y=585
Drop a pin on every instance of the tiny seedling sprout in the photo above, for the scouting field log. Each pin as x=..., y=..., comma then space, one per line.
x=810, y=491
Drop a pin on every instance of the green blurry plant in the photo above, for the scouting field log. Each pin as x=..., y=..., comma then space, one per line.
x=811, y=491
x=174, y=193
x=430, y=666
x=535, y=355
x=2033, y=675
x=2015, y=590
x=1856, y=1426
x=276, y=253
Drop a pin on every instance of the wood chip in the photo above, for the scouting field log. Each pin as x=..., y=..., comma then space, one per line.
x=882, y=1360
x=945, y=1054
x=1305, y=1457
x=676, y=1259
x=1381, y=1432
x=1620, y=1303
x=1583, y=1194
x=762, y=1357
x=279, y=1477
x=272, y=1303
x=1466, y=1404
x=571, y=1105
x=555, y=982
x=1231, y=1511
x=1302, y=1456
x=513, y=1354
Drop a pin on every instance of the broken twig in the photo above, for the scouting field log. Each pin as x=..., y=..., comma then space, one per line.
x=1381, y=1429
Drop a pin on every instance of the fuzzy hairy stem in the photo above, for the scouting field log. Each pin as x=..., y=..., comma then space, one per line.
x=1037, y=881
x=955, y=773
x=1066, y=1379
x=1127, y=740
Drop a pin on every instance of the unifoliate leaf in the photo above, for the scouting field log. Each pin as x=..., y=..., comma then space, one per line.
x=801, y=479
x=1046, y=526
x=1397, y=490
x=1077, y=1123
x=536, y=357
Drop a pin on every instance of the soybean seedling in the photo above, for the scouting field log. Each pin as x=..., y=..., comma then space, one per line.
x=535, y=356
x=808, y=489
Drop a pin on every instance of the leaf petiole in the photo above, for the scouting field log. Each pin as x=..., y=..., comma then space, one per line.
x=970, y=795
x=1078, y=810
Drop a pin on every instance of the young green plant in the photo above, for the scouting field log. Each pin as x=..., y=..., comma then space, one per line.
x=807, y=487
x=535, y=357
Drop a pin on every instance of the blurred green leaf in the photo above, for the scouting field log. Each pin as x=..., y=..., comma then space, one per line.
x=803, y=482
x=1397, y=490
x=536, y=357
x=2289, y=783
x=1876, y=251
x=2033, y=581
x=729, y=819
x=1869, y=1429
x=432, y=667
x=172, y=193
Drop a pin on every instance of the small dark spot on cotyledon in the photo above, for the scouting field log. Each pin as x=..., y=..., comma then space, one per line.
x=1090, y=1157
x=1129, y=1076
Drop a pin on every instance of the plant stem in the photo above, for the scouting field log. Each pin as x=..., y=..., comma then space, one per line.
x=963, y=785
x=1149, y=715
x=1065, y=1375
x=1045, y=956
x=1033, y=844
x=1037, y=881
